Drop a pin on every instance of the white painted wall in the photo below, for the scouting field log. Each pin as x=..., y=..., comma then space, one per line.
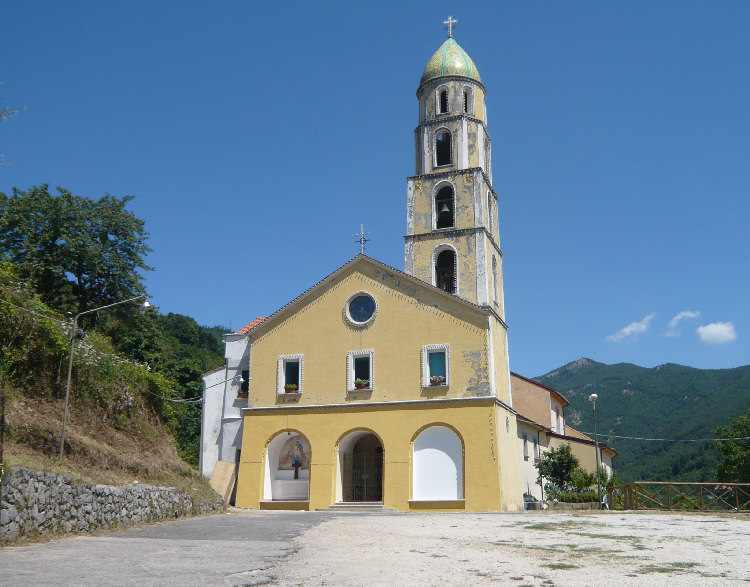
x=438, y=465
x=221, y=422
x=528, y=469
x=211, y=421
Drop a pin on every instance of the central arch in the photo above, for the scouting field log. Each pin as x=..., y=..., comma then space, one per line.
x=360, y=468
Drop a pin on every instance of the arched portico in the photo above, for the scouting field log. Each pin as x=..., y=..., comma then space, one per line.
x=359, y=471
x=438, y=471
x=287, y=467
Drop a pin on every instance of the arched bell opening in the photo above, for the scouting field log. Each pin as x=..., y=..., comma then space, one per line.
x=360, y=468
x=445, y=271
x=287, y=468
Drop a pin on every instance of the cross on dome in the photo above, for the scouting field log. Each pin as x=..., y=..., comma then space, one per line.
x=450, y=22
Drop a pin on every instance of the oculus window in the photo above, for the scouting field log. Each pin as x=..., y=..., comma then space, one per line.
x=360, y=309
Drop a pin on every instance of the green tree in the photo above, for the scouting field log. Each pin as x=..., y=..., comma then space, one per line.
x=736, y=465
x=582, y=479
x=557, y=466
x=78, y=253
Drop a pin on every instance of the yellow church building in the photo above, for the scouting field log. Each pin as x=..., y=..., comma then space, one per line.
x=381, y=386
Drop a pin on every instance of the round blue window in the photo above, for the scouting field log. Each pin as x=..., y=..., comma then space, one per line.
x=361, y=308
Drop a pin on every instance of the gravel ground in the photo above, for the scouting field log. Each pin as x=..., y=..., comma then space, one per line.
x=540, y=548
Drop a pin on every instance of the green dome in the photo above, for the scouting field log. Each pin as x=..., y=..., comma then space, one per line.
x=450, y=59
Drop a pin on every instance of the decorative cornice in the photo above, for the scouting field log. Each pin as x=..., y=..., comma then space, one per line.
x=454, y=232
x=442, y=119
x=443, y=78
x=405, y=403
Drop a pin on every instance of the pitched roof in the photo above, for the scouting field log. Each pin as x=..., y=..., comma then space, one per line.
x=560, y=396
x=251, y=325
x=360, y=258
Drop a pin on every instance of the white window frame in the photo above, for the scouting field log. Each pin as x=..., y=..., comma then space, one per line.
x=281, y=372
x=431, y=348
x=350, y=356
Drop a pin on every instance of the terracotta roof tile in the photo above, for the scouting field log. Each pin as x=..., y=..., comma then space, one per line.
x=249, y=327
x=570, y=431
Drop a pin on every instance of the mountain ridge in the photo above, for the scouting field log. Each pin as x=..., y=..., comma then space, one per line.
x=675, y=402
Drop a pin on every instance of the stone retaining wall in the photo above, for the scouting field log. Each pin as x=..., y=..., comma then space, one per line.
x=38, y=503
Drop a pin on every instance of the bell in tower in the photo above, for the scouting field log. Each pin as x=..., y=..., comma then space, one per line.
x=452, y=238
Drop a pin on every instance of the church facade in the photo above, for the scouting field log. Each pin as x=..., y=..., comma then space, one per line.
x=384, y=386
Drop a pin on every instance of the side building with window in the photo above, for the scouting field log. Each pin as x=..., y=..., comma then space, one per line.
x=542, y=427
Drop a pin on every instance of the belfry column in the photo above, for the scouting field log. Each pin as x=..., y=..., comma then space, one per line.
x=452, y=237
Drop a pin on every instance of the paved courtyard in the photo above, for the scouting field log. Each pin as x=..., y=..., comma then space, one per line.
x=321, y=548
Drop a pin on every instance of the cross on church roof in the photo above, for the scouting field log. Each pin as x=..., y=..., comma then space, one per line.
x=450, y=22
x=362, y=240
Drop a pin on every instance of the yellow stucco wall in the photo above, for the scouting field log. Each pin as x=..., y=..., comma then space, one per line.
x=490, y=468
x=408, y=318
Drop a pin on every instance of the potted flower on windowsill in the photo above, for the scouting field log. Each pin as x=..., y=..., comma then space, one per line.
x=437, y=380
x=290, y=388
x=361, y=383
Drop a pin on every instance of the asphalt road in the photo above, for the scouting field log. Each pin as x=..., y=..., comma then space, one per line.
x=230, y=549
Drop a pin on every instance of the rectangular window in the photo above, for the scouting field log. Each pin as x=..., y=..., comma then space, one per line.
x=525, y=447
x=359, y=370
x=289, y=374
x=435, y=365
x=245, y=385
x=536, y=449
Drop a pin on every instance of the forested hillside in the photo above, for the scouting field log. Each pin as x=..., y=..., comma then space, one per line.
x=669, y=401
x=135, y=375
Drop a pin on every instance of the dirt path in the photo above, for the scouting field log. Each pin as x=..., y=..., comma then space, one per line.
x=542, y=548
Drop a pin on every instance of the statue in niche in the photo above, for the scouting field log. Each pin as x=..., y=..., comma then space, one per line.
x=295, y=455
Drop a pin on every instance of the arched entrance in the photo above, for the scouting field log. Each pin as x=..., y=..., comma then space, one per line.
x=360, y=476
x=287, y=468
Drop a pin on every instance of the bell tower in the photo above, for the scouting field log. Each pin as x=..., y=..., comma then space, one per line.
x=452, y=237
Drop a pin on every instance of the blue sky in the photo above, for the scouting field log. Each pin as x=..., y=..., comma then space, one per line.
x=257, y=137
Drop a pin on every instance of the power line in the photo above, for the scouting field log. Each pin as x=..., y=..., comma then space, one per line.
x=32, y=312
x=102, y=355
x=671, y=439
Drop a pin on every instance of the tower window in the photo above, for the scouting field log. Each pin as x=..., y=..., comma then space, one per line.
x=466, y=101
x=443, y=154
x=444, y=102
x=445, y=271
x=445, y=208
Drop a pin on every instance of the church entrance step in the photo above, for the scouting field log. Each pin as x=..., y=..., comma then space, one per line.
x=373, y=507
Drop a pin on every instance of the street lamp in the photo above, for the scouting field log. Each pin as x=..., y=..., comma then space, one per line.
x=592, y=398
x=73, y=333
